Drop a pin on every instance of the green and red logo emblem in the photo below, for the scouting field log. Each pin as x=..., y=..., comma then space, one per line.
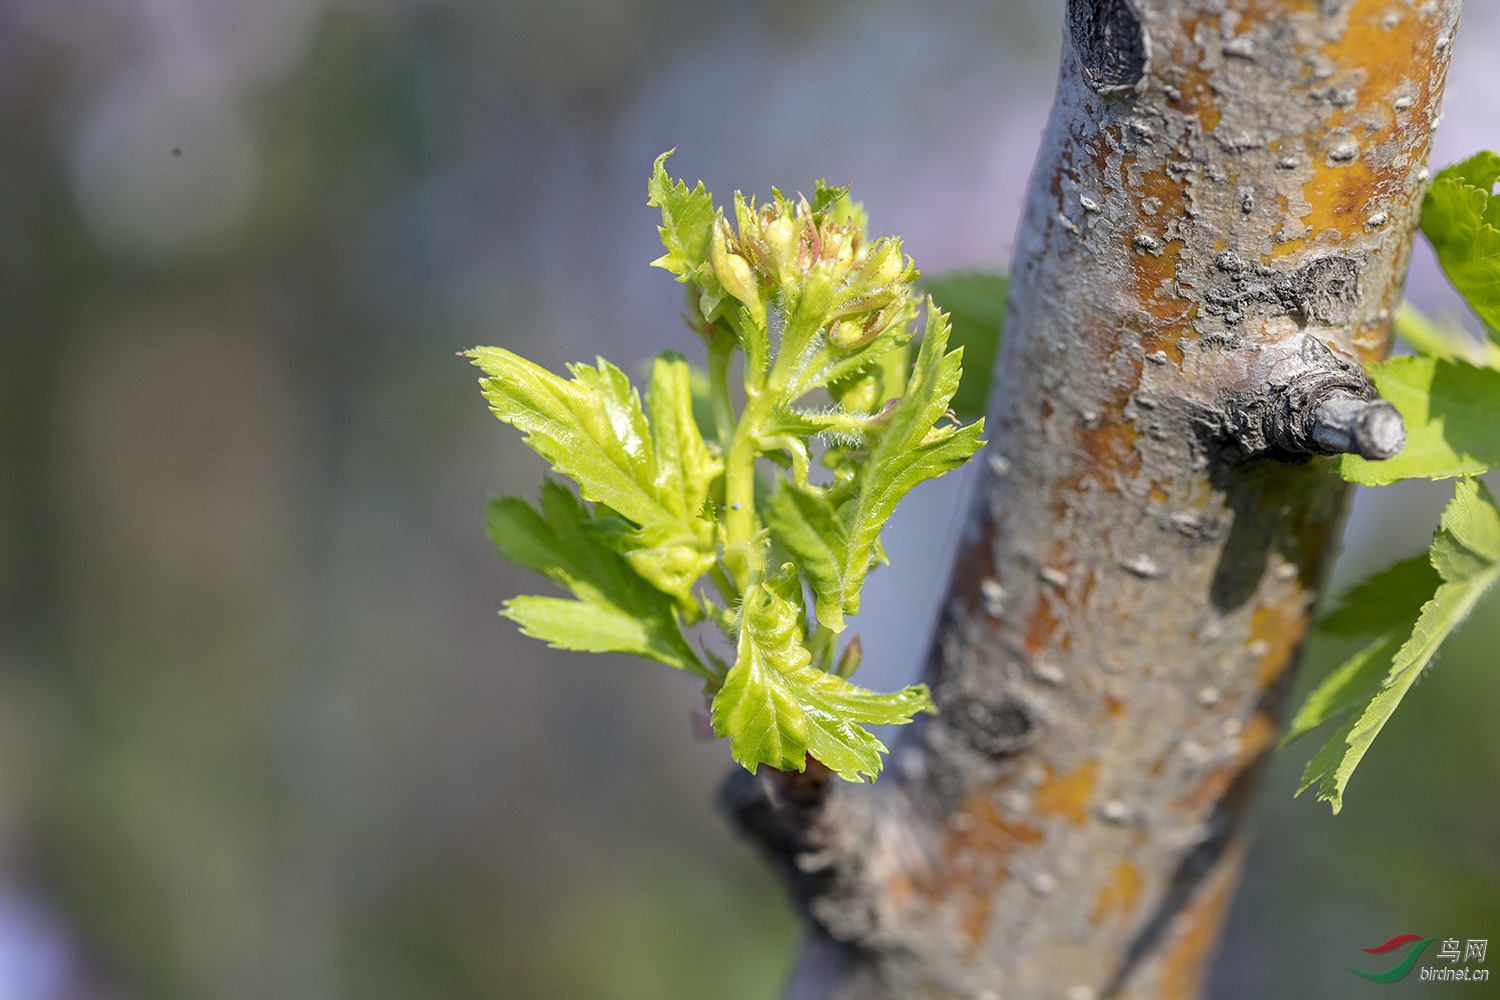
x=1400, y=969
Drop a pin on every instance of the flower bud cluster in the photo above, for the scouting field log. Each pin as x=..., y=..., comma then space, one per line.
x=814, y=266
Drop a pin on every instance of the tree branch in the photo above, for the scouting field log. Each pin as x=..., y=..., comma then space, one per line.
x=1216, y=234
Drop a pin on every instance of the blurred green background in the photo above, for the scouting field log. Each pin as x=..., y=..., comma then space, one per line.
x=261, y=731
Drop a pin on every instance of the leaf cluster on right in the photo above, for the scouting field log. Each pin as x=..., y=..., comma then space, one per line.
x=1448, y=394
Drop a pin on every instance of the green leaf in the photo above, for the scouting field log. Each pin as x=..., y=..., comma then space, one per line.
x=837, y=713
x=615, y=610
x=1445, y=340
x=1461, y=218
x=683, y=471
x=776, y=708
x=826, y=364
x=909, y=451
x=1378, y=614
x=1452, y=415
x=592, y=429
x=1380, y=603
x=1468, y=539
x=591, y=628
x=975, y=304
x=836, y=204
x=1480, y=170
x=756, y=708
x=1352, y=683
x=687, y=222
x=1465, y=553
x=703, y=405
x=808, y=527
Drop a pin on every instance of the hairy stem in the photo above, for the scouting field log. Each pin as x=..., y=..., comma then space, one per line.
x=739, y=484
x=720, y=353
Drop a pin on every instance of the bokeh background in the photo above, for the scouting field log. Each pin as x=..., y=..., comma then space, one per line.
x=262, y=734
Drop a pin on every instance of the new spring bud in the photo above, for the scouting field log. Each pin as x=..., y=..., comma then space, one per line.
x=866, y=326
x=849, y=660
x=880, y=280
x=778, y=233
x=860, y=394
x=734, y=272
x=839, y=243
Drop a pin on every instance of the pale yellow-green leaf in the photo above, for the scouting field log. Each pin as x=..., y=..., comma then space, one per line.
x=593, y=430
x=1466, y=554
x=615, y=610
x=1452, y=415
x=776, y=708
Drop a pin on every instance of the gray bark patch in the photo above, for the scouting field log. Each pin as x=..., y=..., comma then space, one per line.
x=1111, y=43
x=1323, y=290
x=996, y=727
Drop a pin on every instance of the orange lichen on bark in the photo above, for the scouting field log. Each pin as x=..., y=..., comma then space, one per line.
x=1254, y=740
x=1040, y=628
x=1098, y=147
x=1339, y=194
x=1066, y=795
x=1164, y=311
x=1156, y=193
x=1196, y=931
x=1389, y=61
x=1385, y=53
x=1111, y=447
x=1279, y=630
x=1089, y=579
x=1195, y=95
x=1258, y=736
x=978, y=850
x=1117, y=896
x=1152, y=276
x=899, y=888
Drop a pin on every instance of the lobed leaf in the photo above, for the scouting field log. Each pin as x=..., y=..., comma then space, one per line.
x=1461, y=219
x=1378, y=614
x=835, y=203
x=1452, y=415
x=614, y=611
x=776, y=708
x=1465, y=554
x=687, y=226
x=909, y=451
x=975, y=303
x=1382, y=602
x=825, y=364
x=806, y=525
x=593, y=430
x=835, y=549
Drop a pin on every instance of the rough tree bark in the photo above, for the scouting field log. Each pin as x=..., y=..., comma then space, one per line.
x=1216, y=232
